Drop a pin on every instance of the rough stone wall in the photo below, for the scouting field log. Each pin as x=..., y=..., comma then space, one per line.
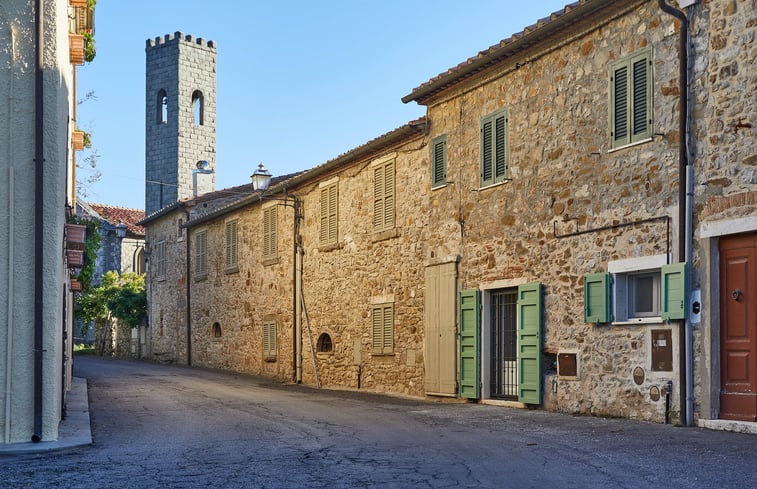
x=724, y=155
x=166, y=298
x=240, y=300
x=179, y=65
x=342, y=281
x=565, y=179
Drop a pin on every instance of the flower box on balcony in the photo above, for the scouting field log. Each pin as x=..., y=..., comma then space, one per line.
x=77, y=140
x=75, y=233
x=75, y=285
x=76, y=48
x=75, y=258
x=78, y=3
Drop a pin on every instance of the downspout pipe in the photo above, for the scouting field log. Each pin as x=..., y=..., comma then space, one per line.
x=39, y=162
x=189, y=291
x=685, y=214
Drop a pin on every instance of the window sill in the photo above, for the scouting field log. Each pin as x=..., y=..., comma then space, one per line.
x=503, y=182
x=377, y=354
x=230, y=270
x=201, y=278
x=269, y=359
x=162, y=278
x=330, y=247
x=630, y=145
x=635, y=321
x=270, y=261
x=384, y=235
x=439, y=187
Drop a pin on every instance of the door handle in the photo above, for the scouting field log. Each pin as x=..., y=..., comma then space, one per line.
x=736, y=294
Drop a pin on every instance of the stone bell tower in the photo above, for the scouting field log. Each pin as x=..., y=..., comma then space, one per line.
x=180, y=119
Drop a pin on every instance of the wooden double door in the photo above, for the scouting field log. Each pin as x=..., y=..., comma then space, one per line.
x=738, y=324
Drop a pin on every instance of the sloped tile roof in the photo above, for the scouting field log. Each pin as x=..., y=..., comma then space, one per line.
x=114, y=215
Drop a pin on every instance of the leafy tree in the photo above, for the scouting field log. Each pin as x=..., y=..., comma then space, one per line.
x=117, y=297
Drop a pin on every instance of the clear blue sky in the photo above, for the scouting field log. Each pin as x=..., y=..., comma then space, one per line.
x=299, y=82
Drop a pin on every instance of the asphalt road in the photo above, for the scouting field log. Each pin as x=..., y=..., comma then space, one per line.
x=177, y=427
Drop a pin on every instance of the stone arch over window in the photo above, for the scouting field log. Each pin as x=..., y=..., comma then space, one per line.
x=324, y=344
x=198, y=107
x=162, y=107
x=216, y=331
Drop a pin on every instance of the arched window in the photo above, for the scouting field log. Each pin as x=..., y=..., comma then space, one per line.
x=216, y=330
x=162, y=107
x=324, y=344
x=139, y=261
x=198, y=107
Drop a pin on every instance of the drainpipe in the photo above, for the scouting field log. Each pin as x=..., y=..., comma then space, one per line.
x=11, y=271
x=189, y=291
x=297, y=295
x=39, y=162
x=685, y=214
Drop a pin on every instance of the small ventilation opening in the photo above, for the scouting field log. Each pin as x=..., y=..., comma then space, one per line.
x=216, y=330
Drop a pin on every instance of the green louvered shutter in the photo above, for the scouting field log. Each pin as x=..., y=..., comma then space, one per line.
x=673, y=291
x=529, y=343
x=500, y=147
x=597, y=298
x=487, y=172
x=470, y=318
x=619, y=105
x=439, y=161
x=641, y=116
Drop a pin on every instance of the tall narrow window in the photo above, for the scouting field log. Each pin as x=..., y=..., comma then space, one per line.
x=198, y=108
x=383, y=329
x=329, y=205
x=269, y=233
x=162, y=107
x=231, y=246
x=269, y=340
x=494, y=165
x=631, y=99
x=439, y=161
x=383, y=196
x=201, y=254
x=160, y=260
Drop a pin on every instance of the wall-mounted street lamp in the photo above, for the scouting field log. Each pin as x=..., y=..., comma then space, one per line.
x=261, y=179
x=121, y=230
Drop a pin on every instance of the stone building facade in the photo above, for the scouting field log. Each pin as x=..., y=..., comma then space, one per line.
x=540, y=250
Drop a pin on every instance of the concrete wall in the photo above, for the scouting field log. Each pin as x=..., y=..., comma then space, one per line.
x=17, y=154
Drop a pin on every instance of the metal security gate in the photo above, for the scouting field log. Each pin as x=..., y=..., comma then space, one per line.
x=504, y=356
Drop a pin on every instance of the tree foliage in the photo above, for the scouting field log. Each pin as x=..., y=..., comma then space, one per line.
x=118, y=296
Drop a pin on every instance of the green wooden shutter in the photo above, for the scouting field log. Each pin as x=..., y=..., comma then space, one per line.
x=269, y=232
x=383, y=329
x=201, y=247
x=470, y=318
x=597, y=298
x=674, y=291
x=500, y=147
x=439, y=161
x=328, y=215
x=529, y=343
x=487, y=172
x=378, y=198
x=619, y=104
x=388, y=196
x=231, y=244
x=641, y=87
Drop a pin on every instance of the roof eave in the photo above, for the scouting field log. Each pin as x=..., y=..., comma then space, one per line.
x=518, y=42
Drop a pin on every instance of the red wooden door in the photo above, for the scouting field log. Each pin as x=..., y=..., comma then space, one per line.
x=738, y=328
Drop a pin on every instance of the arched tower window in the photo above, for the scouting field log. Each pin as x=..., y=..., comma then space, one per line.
x=216, y=332
x=162, y=107
x=198, y=108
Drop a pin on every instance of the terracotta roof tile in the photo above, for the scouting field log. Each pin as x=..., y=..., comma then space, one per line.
x=114, y=215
